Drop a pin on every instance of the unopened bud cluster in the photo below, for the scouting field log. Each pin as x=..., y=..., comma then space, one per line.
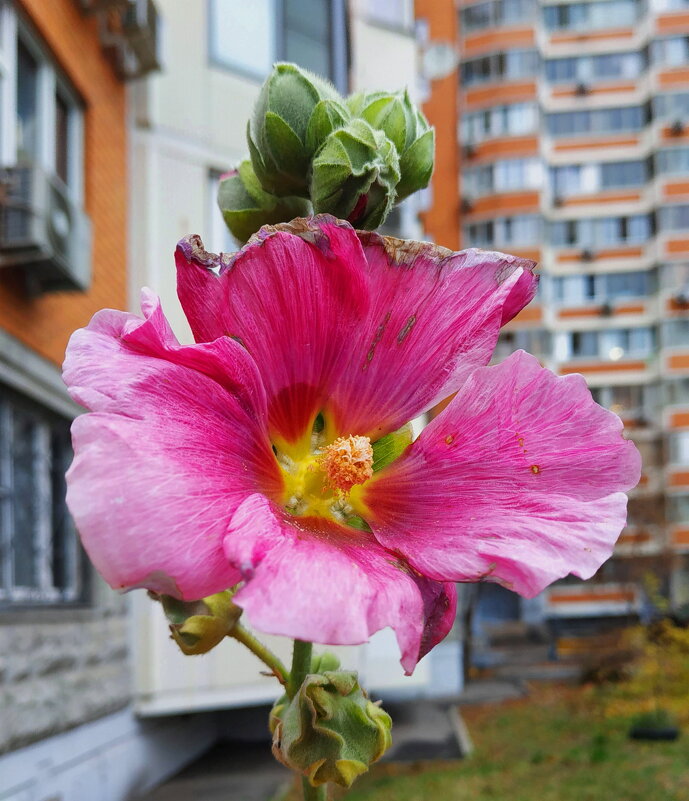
x=330, y=731
x=352, y=157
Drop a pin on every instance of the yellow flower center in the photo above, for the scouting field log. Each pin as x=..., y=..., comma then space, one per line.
x=322, y=482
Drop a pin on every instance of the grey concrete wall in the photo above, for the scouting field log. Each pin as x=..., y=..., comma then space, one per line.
x=61, y=667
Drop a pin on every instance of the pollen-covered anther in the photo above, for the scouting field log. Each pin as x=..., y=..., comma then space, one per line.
x=348, y=461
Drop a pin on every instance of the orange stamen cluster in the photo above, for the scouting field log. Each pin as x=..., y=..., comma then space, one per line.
x=347, y=461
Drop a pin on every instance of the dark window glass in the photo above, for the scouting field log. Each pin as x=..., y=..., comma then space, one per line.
x=61, y=138
x=27, y=104
x=307, y=25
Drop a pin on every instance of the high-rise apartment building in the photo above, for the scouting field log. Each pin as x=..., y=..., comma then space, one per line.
x=573, y=143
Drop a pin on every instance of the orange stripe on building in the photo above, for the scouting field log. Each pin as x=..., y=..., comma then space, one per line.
x=526, y=253
x=497, y=39
x=531, y=314
x=673, y=23
x=601, y=197
x=679, y=479
x=599, y=89
x=674, y=246
x=499, y=93
x=667, y=134
x=623, y=596
x=609, y=253
x=679, y=420
x=678, y=361
x=673, y=305
x=597, y=311
x=636, y=538
x=672, y=78
x=614, y=33
x=515, y=201
x=680, y=536
x=672, y=190
x=602, y=367
x=594, y=144
x=496, y=148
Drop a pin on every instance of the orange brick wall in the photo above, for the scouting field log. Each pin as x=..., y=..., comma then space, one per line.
x=45, y=323
x=441, y=221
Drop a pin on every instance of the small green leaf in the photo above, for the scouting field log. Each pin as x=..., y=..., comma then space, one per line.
x=388, y=448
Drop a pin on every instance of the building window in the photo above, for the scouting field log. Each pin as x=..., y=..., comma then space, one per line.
x=674, y=218
x=677, y=391
x=673, y=106
x=609, y=345
x=601, y=232
x=44, y=110
x=220, y=240
x=392, y=13
x=496, y=13
x=580, y=179
x=249, y=37
x=40, y=557
x=676, y=333
x=678, y=508
x=678, y=442
x=509, y=175
x=673, y=160
x=520, y=230
x=517, y=119
x=589, y=69
x=597, y=121
x=594, y=15
x=601, y=288
x=509, y=65
x=670, y=52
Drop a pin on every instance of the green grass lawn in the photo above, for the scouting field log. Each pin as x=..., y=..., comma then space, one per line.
x=557, y=745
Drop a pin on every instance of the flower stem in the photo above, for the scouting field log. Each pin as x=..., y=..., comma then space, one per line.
x=301, y=666
x=313, y=793
x=256, y=647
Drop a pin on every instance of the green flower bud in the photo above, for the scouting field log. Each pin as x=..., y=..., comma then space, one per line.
x=198, y=626
x=293, y=115
x=407, y=129
x=246, y=206
x=329, y=731
x=355, y=174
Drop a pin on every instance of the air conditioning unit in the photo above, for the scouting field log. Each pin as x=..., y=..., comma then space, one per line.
x=469, y=151
x=677, y=128
x=467, y=204
x=42, y=232
x=581, y=90
x=606, y=310
x=558, y=201
x=682, y=298
x=587, y=254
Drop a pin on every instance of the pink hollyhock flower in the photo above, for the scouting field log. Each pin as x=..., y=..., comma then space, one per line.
x=247, y=457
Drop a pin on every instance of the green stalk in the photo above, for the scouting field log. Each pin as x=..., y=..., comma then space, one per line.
x=301, y=667
x=256, y=647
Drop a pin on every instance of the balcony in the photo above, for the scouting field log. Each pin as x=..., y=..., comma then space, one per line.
x=129, y=34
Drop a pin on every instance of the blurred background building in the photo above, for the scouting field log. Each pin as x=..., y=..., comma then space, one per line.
x=573, y=150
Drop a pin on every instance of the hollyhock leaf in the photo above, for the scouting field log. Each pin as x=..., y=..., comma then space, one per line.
x=177, y=439
x=540, y=470
x=368, y=588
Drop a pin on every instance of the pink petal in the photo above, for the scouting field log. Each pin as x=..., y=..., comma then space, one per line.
x=177, y=441
x=373, y=335
x=314, y=580
x=434, y=316
x=519, y=480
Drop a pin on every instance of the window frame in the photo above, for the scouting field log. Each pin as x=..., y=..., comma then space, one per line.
x=51, y=82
